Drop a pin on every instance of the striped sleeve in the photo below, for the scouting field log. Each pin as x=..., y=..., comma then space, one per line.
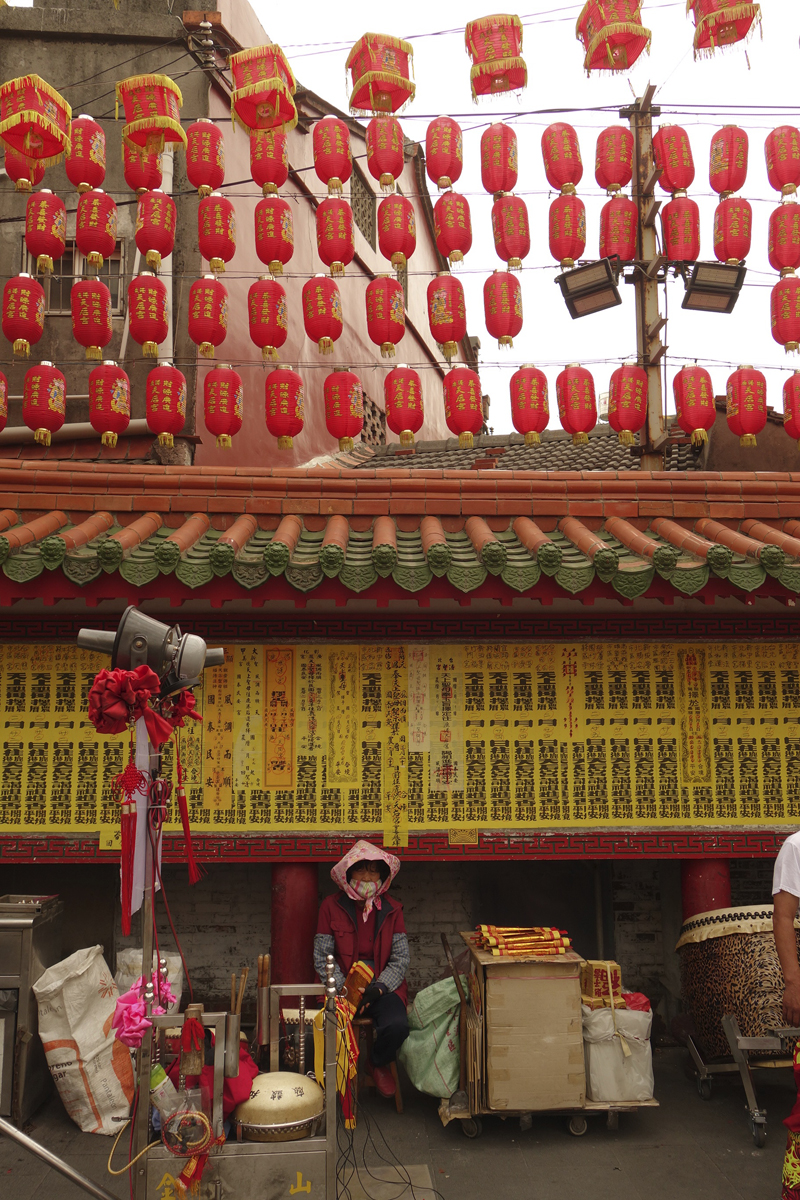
x=394, y=972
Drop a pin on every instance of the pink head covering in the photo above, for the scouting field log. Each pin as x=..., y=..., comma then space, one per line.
x=358, y=853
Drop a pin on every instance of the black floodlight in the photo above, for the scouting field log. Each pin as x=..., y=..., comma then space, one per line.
x=589, y=289
x=714, y=287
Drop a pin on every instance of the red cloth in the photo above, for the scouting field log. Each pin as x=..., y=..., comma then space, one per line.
x=636, y=1001
x=339, y=917
x=365, y=947
x=234, y=1091
x=117, y=697
x=792, y=1122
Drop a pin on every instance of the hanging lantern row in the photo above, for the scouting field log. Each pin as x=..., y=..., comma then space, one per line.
x=746, y=403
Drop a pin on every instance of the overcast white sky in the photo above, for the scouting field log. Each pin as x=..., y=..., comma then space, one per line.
x=556, y=79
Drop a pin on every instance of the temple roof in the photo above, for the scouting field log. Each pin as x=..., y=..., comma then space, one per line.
x=109, y=531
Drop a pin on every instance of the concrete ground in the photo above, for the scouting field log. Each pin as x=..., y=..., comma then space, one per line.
x=687, y=1148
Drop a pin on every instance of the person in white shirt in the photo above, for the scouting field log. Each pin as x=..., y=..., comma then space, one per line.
x=786, y=897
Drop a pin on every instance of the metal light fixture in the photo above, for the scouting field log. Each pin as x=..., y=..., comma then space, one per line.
x=178, y=659
x=713, y=287
x=589, y=289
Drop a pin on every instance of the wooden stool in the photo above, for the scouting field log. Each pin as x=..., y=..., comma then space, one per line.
x=363, y=1026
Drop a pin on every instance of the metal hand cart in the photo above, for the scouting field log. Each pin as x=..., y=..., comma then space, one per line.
x=742, y=1048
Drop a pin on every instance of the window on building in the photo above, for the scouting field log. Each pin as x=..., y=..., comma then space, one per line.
x=71, y=267
x=374, y=431
x=362, y=199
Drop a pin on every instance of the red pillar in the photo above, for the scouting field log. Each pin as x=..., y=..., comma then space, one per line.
x=705, y=885
x=293, y=923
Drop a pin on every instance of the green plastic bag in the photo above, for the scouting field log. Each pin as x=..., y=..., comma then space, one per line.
x=430, y=1053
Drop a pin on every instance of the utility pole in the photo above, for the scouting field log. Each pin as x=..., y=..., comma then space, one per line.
x=649, y=266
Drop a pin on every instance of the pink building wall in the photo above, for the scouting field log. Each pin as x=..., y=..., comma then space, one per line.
x=253, y=446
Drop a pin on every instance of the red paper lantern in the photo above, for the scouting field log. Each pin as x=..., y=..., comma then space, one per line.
x=727, y=162
x=166, y=402
x=335, y=244
x=530, y=408
x=397, y=229
x=791, y=406
x=44, y=401
x=784, y=237
x=156, y=217
x=694, y=402
x=90, y=301
x=25, y=173
x=452, y=226
x=782, y=152
x=627, y=402
x=216, y=230
x=512, y=239
x=463, y=404
x=562, y=155
x=208, y=314
x=577, y=409
x=45, y=229
x=142, y=171
x=344, y=406
x=274, y=233
x=96, y=226
x=733, y=219
x=444, y=152
x=205, y=156
x=567, y=228
x=86, y=159
x=322, y=312
x=386, y=314
x=109, y=402
x=263, y=89
x=619, y=221
x=447, y=313
x=502, y=306
x=385, y=153
x=3, y=401
x=380, y=69
x=223, y=404
x=333, y=159
x=613, y=158
x=673, y=156
x=148, y=316
x=269, y=159
x=269, y=317
x=499, y=159
x=680, y=225
x=284, y=405
x=34, y=119
x=612, y=34
x=495, y=46
x=746, y=396
x=402, y=395
x=721, y=23
x=785, y=312
x=152, y=106
x=23, y=313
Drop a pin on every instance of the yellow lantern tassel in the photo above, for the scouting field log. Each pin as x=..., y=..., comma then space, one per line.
x=625, y=437
x=269, y=189
x=206, y=350
x=747, y=439
x=532, y=438
x=94, y=352
x=407, y=438
x=224, y=441
x=699, y=437
x=165, y=439
x=150, y=349
x=276, y=267
x=505, y=342
x=580, y=439
x=456, y=256
x=153, y=259
x=269, y=354
x=42, y=436
x=398, y=260
x=284, y=442
x=337, y=268
x=465, y=440
x=23, y=185
x=22, y=348
x=44, y=264
x=325, y=345
x=334, y=186
x=108, y=438
x=387, y=350
x=95, y=258
x=346, y=443
x=217, y=265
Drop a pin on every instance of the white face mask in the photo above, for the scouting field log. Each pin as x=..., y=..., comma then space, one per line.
x=365, y=888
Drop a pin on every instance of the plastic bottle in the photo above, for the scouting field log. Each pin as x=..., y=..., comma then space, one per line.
x=163, y=1094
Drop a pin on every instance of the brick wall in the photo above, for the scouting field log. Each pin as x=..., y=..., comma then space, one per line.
x=751, y=881
x=638, y=940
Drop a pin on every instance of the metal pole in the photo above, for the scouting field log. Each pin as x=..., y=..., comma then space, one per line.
x=52, y=1160
x=649, y=322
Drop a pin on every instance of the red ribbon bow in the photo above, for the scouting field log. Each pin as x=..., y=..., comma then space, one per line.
x=184, y=705
x=192, y=1034
x=118, y=697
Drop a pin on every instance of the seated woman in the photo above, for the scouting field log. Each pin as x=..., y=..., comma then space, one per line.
x=362, y=923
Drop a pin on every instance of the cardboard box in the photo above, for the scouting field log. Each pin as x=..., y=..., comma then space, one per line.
x=595, y=1002
x=594, y=978
x=533, y=1032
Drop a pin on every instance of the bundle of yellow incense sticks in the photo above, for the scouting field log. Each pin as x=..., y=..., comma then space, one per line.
x=518, y=940
x=543, y=951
